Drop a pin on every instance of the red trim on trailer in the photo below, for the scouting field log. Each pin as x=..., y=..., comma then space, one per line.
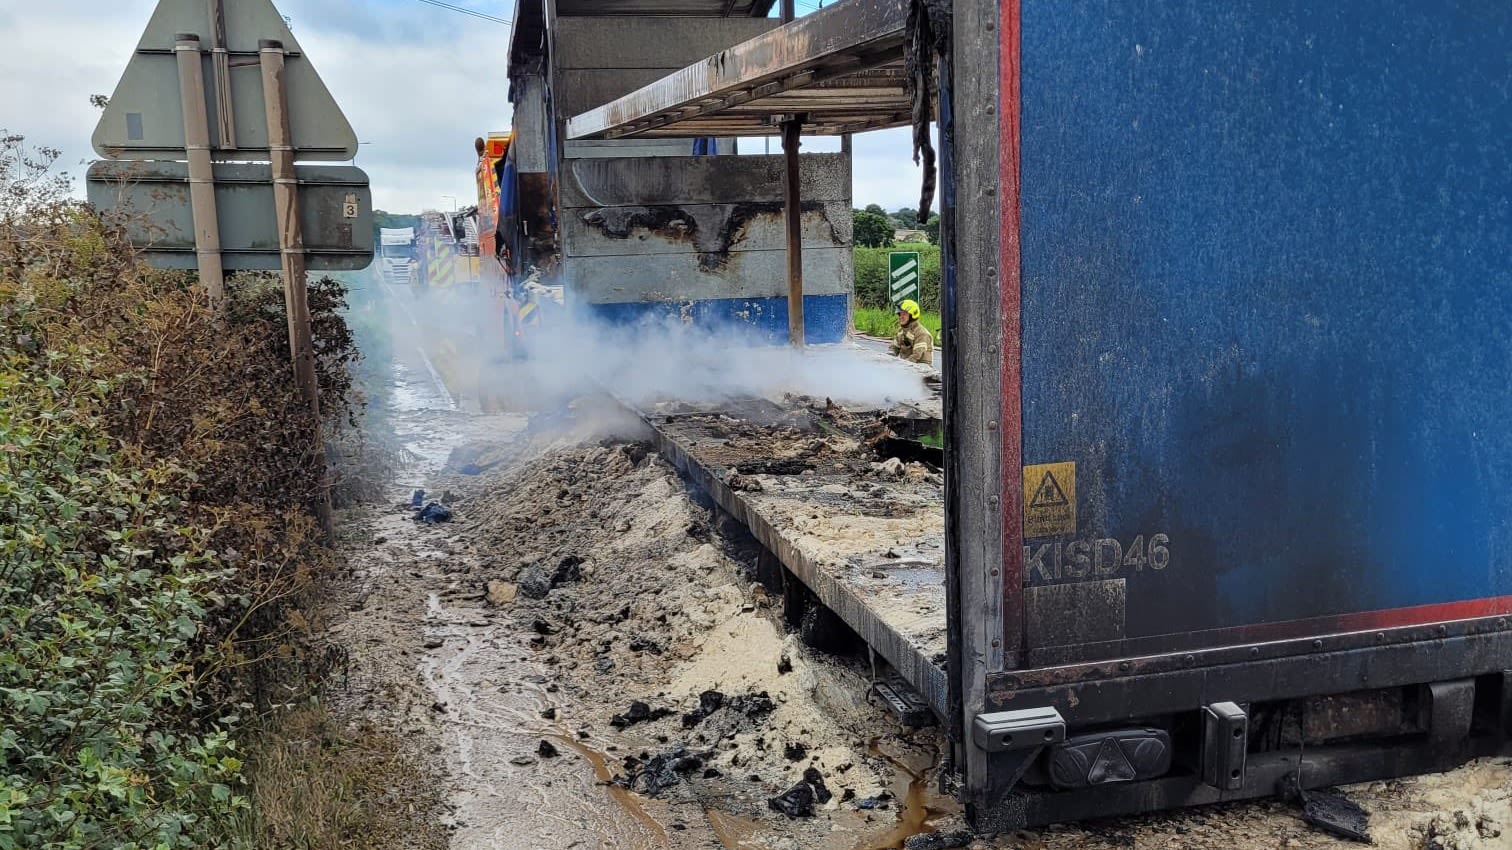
x=1278, y=631
x=1417, y=615
x=1011, y=420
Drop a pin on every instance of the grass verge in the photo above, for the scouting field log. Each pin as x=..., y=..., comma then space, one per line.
x=317, y=783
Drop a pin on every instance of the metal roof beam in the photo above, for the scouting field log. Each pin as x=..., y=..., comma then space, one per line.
x=848, y=38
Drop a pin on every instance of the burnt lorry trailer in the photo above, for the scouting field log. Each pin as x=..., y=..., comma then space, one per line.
x=1228, y=471
x=1229, y=480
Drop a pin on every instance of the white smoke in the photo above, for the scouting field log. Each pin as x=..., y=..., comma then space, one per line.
x=651, y=361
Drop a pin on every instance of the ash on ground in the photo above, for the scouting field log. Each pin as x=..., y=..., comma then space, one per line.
x=585, y=652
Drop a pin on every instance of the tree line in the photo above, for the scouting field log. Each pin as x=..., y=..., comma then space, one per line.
x=875, y=227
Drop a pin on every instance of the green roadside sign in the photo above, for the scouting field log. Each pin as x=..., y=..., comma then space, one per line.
x=903, y=275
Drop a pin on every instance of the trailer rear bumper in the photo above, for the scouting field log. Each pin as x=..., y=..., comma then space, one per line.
x=1458, y=672
x=1118, y=690
x=1265, y=776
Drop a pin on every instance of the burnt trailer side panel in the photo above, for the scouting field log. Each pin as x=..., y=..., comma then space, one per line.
x=1266, y=279
x=1247, y=396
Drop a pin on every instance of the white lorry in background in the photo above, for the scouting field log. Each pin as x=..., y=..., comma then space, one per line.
x=396, y=250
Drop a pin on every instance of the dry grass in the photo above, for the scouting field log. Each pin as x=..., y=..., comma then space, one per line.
x=316, y=784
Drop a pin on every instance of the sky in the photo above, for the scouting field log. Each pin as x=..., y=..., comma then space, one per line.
x=418, y=84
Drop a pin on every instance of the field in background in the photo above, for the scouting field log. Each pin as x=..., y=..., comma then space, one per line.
x=883, y=322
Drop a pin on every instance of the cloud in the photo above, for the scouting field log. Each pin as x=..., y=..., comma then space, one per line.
x=55, y=57
x=883, y=170
x=418, y=83
x=416, y=103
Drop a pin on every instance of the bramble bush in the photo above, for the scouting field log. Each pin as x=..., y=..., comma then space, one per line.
x=156, y=543
x=103, y=586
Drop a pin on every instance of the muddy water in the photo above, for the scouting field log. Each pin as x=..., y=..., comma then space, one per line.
x=919, y=804
x=487, y=695
x=622, y=797
x=493, y=699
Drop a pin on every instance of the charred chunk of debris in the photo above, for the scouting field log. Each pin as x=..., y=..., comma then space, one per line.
x=638, y=712
x=662, y=771
x=708, y=703
x=799, y=800
x=754, y=706
x=746, y=483
x=641, y=643
x=938, y=840
x=538, y=580
x=1335, y=813
x=774, y=467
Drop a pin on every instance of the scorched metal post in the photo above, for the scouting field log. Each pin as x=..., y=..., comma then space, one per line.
x=207, y=244
x=291, y=249
x=793, y=204
x=793, y=208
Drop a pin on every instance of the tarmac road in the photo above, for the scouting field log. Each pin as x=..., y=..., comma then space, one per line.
x=879, y=344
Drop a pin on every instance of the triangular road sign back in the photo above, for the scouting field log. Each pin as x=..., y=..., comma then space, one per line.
x=145, y=118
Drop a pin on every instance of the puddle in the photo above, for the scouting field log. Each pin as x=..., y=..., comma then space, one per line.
x=919, y=804
x=913, y=575
x=492, y=697
x=624, y=798
x=421, y=411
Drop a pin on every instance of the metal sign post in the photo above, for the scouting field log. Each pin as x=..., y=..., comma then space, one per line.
x=903, y=276
x=207, y=244
x=291, y=249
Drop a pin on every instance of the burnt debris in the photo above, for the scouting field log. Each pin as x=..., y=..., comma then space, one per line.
x=708, y=703
x=799, y=800
x=638, y=712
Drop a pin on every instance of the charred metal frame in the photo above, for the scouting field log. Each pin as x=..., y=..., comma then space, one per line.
x=1265, y=775
x=792, y=193
x=1329, y=664
x=976, y=523
x=911, y=664
x=838, y=57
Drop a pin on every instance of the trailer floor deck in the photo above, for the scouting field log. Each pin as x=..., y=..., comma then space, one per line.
x=814, y=483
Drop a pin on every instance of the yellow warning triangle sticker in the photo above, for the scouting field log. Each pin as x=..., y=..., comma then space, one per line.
x=1049, y=493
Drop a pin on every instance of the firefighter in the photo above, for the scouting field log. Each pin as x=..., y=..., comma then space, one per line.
x=914, y=342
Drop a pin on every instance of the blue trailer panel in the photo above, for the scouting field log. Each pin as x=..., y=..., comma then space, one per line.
x=1234, y=481
x=1266, y=294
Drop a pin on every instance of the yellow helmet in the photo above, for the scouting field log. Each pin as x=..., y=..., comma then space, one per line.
x=910, y=306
